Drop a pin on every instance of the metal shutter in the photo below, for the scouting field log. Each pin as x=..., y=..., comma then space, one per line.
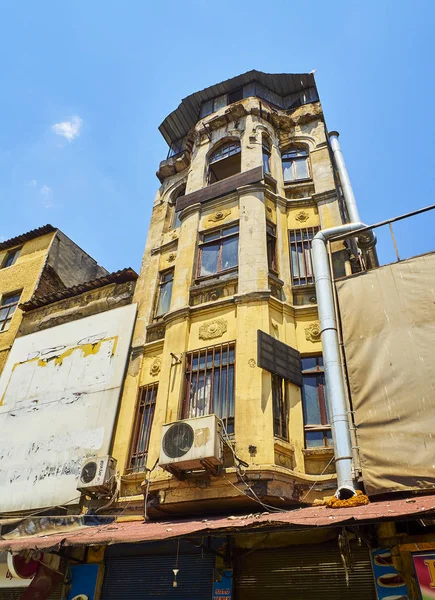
x=303, y=573
x=140, y=577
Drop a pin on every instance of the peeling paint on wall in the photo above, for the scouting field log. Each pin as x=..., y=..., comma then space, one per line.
x=60, y=390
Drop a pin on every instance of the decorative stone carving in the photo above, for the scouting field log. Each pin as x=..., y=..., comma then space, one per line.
x=252, y=363
x=219, y=215
x=212, y=329
x=174, y=235
x=274, y=324
x=302, y=216
x=312, y=332
x=155, y=367
x=171, y=257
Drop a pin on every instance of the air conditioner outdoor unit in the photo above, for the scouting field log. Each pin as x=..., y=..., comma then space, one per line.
x=191, y=444
x=97, y=476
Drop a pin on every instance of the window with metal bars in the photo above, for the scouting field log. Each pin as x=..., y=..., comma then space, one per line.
x=314, y=401
x=300, y=255
x=280, y=407
x=210, y=383
x=143, y=421
x=8, y=306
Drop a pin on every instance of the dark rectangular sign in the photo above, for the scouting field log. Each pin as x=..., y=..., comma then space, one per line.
x=279, y=358
x=220, y=188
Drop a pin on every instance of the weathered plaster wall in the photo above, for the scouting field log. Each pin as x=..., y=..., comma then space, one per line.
x=59, y=393
x=288, y=467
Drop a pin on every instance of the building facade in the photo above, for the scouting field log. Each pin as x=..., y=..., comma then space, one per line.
x=227, y=255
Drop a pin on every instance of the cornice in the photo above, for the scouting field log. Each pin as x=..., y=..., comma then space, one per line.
x=171, y=245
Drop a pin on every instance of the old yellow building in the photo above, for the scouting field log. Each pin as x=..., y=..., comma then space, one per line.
x=247, y=184
x=36, y=263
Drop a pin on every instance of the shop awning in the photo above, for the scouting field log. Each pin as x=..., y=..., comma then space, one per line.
x=139, y=531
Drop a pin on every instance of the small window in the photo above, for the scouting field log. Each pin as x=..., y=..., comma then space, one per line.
x=235, y=96
x=224, y=162
x=315, y=407
x=300, y=255
x=210, y=384
x=164, y=293
x=219, y=251
x=280, y=407
x=266, y=156
x=142, y=428
x=271, y=247
x=295, y=164
x=7, y=308
x=176, y=213
x=10, y=258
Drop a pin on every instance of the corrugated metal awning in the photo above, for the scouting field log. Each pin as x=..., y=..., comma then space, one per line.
x=182, y=119
x=138, y=531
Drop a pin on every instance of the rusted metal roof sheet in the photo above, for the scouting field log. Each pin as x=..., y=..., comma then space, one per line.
x=138, y=531
x=182, y=119
x=116, y=277
x=25, y=237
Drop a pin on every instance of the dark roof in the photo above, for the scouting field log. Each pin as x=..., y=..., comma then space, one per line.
x=182, y=119
x=140, y=531
x=25, y=237
x=117, y=277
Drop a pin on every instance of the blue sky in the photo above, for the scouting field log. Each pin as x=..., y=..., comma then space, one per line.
x=85, y=86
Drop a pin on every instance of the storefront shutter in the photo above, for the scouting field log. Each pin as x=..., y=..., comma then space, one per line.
x=303, y=573
x=141, y=577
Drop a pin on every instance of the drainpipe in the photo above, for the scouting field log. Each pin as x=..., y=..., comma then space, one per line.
x=329, y=331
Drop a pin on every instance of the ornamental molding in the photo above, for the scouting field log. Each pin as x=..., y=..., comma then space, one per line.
x=171, y=257
x=212, y=329
x=219, y=215
x=302, y=216
x=155, y=367
x=312, y=332
x=252, y=363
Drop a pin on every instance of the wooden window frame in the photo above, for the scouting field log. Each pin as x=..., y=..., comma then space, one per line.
x=266, y=157
x=162, y=283
x=293, y=162
x=143, y=422
x=280, y=407
x=220, y=240
x=227, y=412
x=6, y=321
x=14, y=253
x=324, y=426
x=304, y=244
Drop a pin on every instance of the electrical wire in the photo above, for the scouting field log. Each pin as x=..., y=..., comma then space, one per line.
x=317, y=480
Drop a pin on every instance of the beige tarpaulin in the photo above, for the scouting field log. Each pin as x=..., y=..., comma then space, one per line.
x=388, y=320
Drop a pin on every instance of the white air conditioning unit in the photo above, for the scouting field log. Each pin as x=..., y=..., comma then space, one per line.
x=98, y=476
x=191, y=444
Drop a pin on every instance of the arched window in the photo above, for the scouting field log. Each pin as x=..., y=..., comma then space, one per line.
x=224, y=162
x=295, y=164
x=266, y=155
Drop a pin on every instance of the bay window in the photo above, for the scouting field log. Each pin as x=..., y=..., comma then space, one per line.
x=218, y=251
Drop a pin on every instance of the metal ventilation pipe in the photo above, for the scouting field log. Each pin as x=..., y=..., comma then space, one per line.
x=346, y=186
x=328, y=327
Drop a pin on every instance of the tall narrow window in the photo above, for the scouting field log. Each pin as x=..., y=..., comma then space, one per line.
x=280, y=407
x=219, y=251
x=224, y=162
x=300, y=255
x=295, y=164
x=142, y=427
x=176, y=213
x=314, y=398
x=210, y=383
x=271, y=247
x=164, y=293
x=10, y=258
x=266, y=156
x=8, y=306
